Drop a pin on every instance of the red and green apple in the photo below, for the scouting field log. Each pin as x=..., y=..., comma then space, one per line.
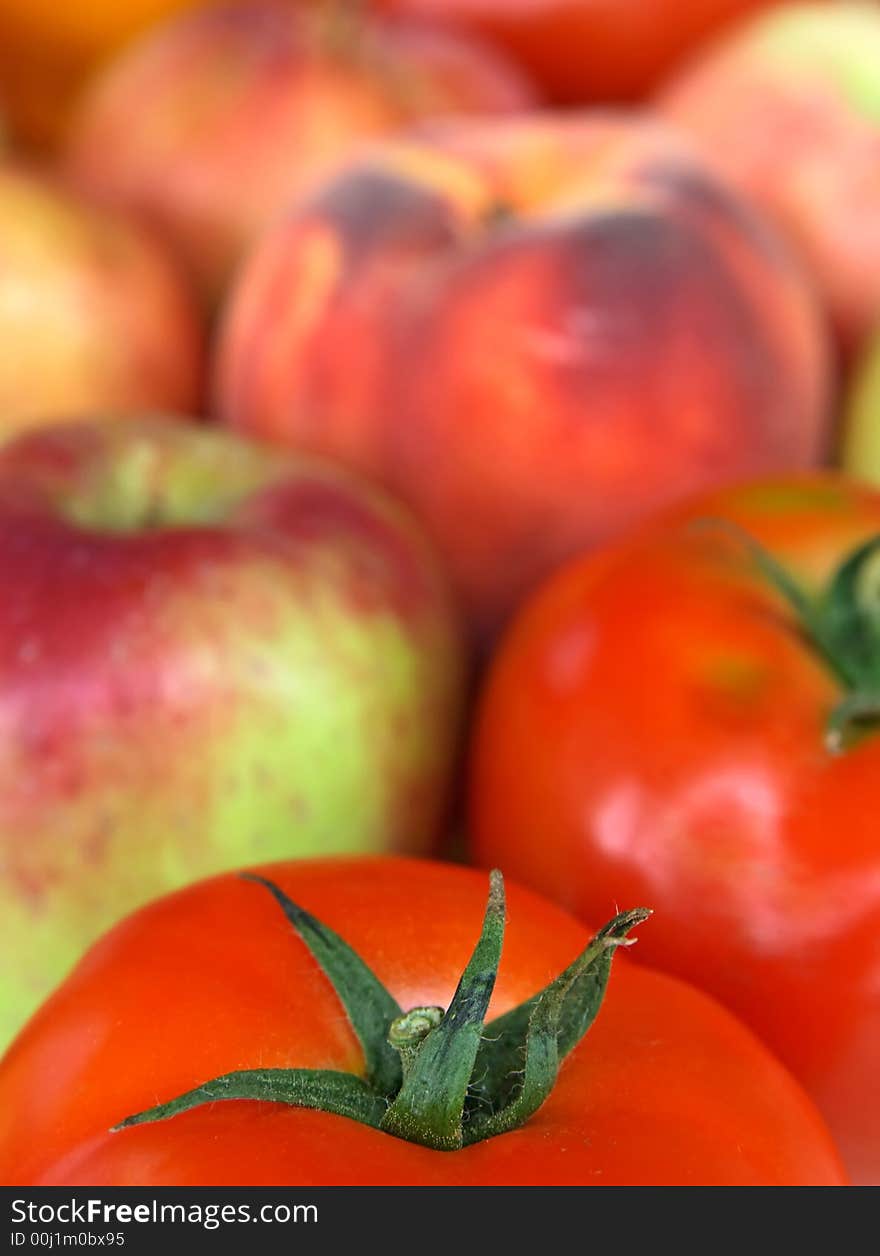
x=211, y=653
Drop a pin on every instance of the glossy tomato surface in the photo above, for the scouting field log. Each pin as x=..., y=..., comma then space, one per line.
x=654, y=730
x=666, y=1087
x=588, y=50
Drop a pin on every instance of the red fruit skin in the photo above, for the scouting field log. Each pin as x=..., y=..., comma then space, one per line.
x=799, y=135
x=666, y=1087
x=552, y=326
x=653, y=730
x=96, y=314
x=249, y=103
x=588, y=50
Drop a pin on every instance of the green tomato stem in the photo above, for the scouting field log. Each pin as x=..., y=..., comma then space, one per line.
x=841, y=624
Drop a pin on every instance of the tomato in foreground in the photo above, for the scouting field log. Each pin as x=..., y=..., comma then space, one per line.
x=244, y=973
x=692, y=721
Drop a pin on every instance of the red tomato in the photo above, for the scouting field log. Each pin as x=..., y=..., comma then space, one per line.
x=666, y=1087
x=656, y=728
x=587, y=50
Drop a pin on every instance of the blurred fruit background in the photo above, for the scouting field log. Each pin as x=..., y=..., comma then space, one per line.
x=330, y=331
x=589, y=50
x=622, y=293
x=251, y=102
x=94, y=312
x=47, y=52
x=789, y=111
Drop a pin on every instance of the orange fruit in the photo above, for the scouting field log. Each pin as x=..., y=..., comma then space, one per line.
x=48, y=49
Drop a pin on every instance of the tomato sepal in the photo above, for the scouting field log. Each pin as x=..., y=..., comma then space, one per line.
x=458, y=1081
x=368, y=1005
x=328, y=1090
x=841, y=624
x=521, y=1051
x=430, y=1106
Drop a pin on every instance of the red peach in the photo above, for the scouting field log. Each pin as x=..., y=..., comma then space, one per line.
x=537, y=331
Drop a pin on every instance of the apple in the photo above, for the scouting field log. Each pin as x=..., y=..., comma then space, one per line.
x=93, y=311
x=586, y=50
x=210, y=125
x=211, y=654
x=535, y=330
x=860, y=443
x=788, y=108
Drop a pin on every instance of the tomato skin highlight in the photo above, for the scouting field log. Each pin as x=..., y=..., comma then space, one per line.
x=666, y=1087
x=653, y=730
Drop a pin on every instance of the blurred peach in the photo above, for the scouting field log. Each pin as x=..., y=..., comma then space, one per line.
x=212, y=124
x=48, y=48
x=788, y=108
x=587, y=50
x=93, y=313
x=535, y=330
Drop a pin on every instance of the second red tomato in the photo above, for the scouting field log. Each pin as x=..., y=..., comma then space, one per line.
x=662, y=725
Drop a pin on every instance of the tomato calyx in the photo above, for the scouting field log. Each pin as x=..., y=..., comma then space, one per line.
x=842, y=625
x=440, y=1078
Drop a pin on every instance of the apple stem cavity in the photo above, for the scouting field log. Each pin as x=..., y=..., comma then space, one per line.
x=440, y=1078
